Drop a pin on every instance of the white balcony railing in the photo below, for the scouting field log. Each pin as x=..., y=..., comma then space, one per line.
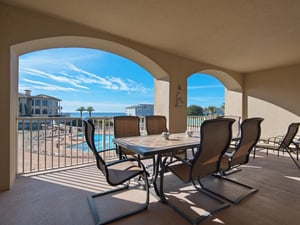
x=58, y=142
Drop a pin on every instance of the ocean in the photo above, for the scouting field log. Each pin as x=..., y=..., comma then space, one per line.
x=95, y=114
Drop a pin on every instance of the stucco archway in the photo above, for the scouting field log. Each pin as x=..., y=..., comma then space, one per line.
x=234, y=102
x=229, y=82
x=63, y=42
x=86, y=42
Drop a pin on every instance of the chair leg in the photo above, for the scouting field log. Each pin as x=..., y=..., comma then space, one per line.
x=251, y=190
x=94, y=210
x=232, y=170
x=254, y=151
x=184, y=215
x=292, y=157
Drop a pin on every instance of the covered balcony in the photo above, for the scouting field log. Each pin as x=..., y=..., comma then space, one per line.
x=252, y=47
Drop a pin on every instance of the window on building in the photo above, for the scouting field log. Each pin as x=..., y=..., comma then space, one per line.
x=37, y=111
x=45, y=103
x=37, y=102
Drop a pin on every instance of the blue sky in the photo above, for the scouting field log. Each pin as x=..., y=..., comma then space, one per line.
x=105, y=81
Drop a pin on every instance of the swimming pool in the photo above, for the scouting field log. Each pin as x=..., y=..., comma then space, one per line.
x=83, y=146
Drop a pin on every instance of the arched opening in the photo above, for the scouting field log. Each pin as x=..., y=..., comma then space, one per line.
x=225, y=92
x=206, y=93
x=62, y=80
x=67, y=41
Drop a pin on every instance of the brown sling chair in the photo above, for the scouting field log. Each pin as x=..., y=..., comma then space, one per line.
x=215, y=139
x=118, y=172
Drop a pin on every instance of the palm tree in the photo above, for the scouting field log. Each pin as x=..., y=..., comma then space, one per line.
x=223, y=107
x=81, y=109
x=90, y=109
x=212, y=110
x=206, y=111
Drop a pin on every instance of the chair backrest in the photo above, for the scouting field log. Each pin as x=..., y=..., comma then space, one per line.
x=89, y=137
x=291, y=133
x=250, y=134
x=215, y=138
x=126, y=126
x=156, y=124
x=236, y=126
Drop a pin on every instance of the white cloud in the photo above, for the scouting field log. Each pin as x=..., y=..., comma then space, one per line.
x=83, y=79
x=48, y=76
x=46, y=86
x=66, y=55
x=91, y=78
x=113, y=82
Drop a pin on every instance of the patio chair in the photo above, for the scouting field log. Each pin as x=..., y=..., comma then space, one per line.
x=215, y=139
x=284, y=144
x=156, y=124
x=118, y=172
x=235, y=157
x=128, y=126
x=236, y=128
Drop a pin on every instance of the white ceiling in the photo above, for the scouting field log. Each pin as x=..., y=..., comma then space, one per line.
x=240, y=35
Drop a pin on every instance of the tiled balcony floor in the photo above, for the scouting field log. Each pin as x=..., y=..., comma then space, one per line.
x=60, y=198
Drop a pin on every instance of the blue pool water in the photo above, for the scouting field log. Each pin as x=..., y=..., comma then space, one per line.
x=98, y=142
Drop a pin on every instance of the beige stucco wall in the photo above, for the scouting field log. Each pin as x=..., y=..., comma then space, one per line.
x=233, y=103
x=271, y=94
x=24, y=31
x=277, y=119
x=274, y=95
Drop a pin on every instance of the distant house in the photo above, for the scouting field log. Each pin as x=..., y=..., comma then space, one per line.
x=140, y=110
x=38, y=105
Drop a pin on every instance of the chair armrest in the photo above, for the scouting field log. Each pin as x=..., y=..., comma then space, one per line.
x=276, y=139
x=296, y=144
x=123, y=160
x=229, y=153
x=177, y=159
x=271, y=140
x=106, y=150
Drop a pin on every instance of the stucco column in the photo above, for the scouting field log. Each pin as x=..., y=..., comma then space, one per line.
x=244, y=104
x=178, y=103
x=5, y=134
x=166, y=102
x=161, y=97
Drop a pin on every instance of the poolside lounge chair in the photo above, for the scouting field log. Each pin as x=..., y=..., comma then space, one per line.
x=118, y=172
x=284, y=144
x=239, y=155
x=215, y=139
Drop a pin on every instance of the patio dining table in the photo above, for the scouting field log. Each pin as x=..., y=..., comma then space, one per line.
x=156, y=145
